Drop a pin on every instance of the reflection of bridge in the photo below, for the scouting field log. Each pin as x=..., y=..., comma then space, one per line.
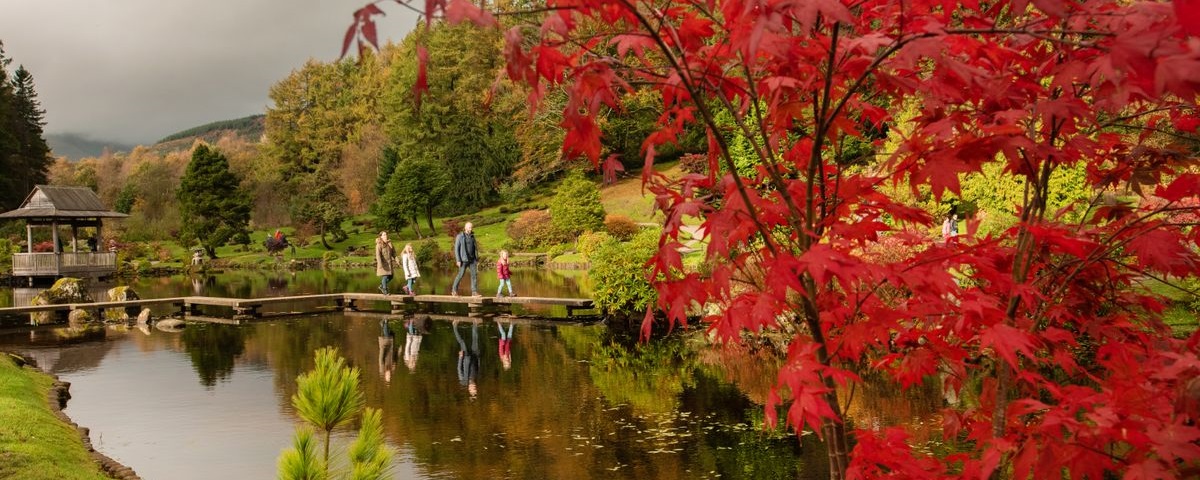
x=252, y=307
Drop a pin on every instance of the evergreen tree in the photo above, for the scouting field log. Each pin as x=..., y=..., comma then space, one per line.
x=212, y=207
x=391, y=156
x=320, y=204
x=10, y=194
x=33, y=153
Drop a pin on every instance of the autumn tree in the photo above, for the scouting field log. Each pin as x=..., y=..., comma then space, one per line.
x=1045, y=323
x=461, y=121
x=213, y=208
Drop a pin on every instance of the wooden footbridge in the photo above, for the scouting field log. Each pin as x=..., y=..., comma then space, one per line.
x=244, y=308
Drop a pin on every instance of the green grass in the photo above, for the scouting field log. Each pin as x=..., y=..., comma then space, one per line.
x=34, y=444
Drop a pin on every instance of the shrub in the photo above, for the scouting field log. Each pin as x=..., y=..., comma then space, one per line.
x=587, y=243
x=576, y=206
x=557, y=250
x=618, y=272
x=427, y=251
x=620, y=226
x=694, y=163
x=329, y=257
x=451, y=226
x=532, y=229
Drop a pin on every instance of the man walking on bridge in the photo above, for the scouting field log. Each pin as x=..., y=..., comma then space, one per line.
x=466, y=258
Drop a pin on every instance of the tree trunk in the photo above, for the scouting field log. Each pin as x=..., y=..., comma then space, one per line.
x=416, y=225
x=429, y=218
x=324, y=243
x=211, y=252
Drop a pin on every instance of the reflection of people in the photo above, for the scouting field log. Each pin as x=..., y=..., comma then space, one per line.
x=468, y=360
x=466, y=259
x=408, y=260
x=384, y=255
x=505, y=344
x=412, y=346
x=387, y=352
x=504, y=275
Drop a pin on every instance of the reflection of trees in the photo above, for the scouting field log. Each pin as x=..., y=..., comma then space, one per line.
x=213, y=349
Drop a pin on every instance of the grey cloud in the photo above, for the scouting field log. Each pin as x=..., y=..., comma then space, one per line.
x=137, y=70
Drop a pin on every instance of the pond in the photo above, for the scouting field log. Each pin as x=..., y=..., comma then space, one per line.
x=574, y=400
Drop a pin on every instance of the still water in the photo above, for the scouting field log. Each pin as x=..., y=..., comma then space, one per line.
x=573, y=400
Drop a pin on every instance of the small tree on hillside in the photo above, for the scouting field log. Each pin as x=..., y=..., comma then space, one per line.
x=416, y=186
x=576, y=206
x=212, y=207
x=320, y=204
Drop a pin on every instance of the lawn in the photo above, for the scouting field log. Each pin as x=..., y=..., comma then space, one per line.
x=34, y=444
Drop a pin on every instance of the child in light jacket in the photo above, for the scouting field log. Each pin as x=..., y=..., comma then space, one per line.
x=408, y=259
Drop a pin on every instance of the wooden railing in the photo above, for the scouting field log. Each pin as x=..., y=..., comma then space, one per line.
x=55, y=264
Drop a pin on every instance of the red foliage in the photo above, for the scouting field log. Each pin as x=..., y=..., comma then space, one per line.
x=1035, y=86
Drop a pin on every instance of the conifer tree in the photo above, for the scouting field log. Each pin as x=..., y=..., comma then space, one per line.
x=212, y=207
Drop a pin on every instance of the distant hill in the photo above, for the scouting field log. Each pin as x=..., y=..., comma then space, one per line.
x=249, y=128
x=75, y=146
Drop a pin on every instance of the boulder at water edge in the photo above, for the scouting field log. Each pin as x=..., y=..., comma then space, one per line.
x=144, y=317
x=170, y=325
x=79, y=318
x=120, y=294
x=65, y=290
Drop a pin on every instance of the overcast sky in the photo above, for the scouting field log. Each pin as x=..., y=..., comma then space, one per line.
x=135, y=71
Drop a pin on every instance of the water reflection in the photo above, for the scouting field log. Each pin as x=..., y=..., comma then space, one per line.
x=412, y=340
x=212, y=350
x=580, y=402
x=468, y=359
x=387, y=351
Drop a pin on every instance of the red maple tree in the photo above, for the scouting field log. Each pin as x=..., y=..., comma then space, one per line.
x=1080, y=377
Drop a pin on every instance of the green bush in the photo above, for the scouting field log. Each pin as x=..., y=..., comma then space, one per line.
x=587, y=243
x=329, y=257
x=618, y=272
x=427, y=251
x=576, y=206
x=557, y=250
x=620, y=226
x=532, y=229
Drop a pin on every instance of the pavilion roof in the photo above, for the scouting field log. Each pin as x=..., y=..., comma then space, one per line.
x=51, y=201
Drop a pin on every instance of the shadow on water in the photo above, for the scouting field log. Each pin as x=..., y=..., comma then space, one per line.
x=462, y=396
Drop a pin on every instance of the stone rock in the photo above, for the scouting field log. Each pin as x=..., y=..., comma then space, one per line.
x=79, y=317
x=170, y=325
x=65, y=290
x=143, y=318
x=120, y=294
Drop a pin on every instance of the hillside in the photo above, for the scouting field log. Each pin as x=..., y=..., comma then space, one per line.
x=250, y=128
x=75, y=146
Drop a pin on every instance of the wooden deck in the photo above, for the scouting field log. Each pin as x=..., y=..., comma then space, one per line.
x=251, y=307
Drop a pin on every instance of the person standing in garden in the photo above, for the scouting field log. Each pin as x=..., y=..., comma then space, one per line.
x=504, y=275
x=465, y=256
x=385, y=254
x=408, y=260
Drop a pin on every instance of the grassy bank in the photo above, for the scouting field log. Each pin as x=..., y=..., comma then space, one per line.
x=34, y=443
